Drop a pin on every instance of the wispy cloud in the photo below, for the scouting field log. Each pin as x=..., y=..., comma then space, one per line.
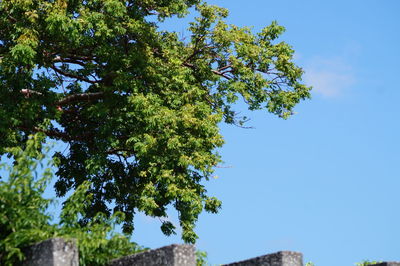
x=330, y=77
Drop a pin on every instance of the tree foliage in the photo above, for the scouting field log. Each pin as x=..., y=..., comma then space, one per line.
x=139, y=107
x=367, y=262
x=24, y=217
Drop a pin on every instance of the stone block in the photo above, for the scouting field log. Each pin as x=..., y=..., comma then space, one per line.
x=387, y=264
x=281, y=258
x=173, y=255
x=52, y=252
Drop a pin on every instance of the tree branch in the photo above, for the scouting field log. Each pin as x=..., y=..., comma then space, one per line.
x=12, y=19
x=56, y=133
x=59, y=59
x=225, y=67
x=116, y=151
x=80, y=97
x=67, y=74
x=28, y=92
x=222, y=74
x=50, y=133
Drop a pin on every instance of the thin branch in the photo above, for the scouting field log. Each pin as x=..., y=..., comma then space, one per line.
x=195, y=48
x=12, y=19
x=222, y=74
x=81, y=57
x=50, y=133
x=57, y=133
x=212, y=70
x=67, y=74
x=28, y=92
x=225, y=67
x=59, y=59
x=80, y=97
x=117, y=151
x=244, y=127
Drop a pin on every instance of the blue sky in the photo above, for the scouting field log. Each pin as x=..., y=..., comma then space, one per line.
x=326, y=181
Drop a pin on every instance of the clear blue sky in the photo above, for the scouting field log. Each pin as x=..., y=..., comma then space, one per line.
x=325, y=182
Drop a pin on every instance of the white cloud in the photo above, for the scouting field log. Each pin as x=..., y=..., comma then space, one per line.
x=329, y=77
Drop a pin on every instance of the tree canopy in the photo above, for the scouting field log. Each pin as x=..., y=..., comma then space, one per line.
x=139, y=107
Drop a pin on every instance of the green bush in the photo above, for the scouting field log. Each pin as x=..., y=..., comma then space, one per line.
x=24, y=217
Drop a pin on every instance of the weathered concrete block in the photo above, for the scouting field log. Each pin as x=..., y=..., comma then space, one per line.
x=387, y=264
x=281, y=258
x=173, y=255
x=52, y=252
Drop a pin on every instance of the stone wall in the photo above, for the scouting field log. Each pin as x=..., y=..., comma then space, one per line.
x=52, y=252
x=281, y=258
x=58, y=252
x=176, y=255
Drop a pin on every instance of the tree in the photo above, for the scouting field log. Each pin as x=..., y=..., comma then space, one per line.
x=24, y=217
x=138, y=107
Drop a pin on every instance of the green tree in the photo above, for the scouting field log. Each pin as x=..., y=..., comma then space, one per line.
x=24, y=217
x=138, y=107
